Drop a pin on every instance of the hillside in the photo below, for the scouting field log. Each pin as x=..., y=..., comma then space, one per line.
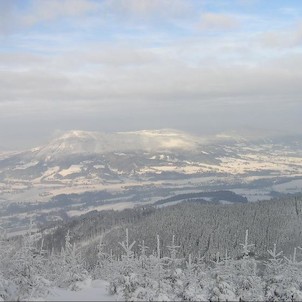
x=199, y=228
x=53, y=182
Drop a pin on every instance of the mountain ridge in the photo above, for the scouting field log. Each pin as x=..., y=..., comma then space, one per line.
x=145, y=166
x=78, y=141
x=81, y=141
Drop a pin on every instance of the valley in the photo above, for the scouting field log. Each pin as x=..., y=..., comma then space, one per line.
x=83, y=171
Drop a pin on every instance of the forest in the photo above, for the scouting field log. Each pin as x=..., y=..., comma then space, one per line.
x=199, y=227
x=167, y=269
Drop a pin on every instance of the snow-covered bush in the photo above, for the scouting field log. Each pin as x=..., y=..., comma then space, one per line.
x=28, y=272
x=71, y=265
x=23, y=268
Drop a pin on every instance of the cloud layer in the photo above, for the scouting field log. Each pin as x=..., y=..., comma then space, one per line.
x=127, y=65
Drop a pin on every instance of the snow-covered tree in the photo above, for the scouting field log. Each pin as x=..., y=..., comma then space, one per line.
x=173, y=269
x=291, y=285
x=126, y=282
x=102, y=263
x=221, y=286
x=155, y=286
x=8, y=290
x=274, y=276
x=25, y=267
x=192, y=288
x=72, y=265
x=248, y=285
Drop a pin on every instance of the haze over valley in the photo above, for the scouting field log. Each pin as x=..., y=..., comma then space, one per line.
x=126, y=169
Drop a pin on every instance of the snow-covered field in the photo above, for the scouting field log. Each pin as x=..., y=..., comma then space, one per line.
x=72, y=169
x=151, y=162
x=43, y=171
x=291, y=186
x=90, y=290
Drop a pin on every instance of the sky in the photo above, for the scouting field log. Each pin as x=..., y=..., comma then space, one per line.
x=200, y=66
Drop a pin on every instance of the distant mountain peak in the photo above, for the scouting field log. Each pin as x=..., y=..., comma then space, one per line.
x=80, y=142
x=157, y=132
x=77, y=134
x=149, y=140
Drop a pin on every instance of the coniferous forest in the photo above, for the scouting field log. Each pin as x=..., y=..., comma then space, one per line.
x=164, y=271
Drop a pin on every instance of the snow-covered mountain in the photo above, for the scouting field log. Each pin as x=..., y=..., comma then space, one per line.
x=80, y=171
x=79, y=161
x=84, y=142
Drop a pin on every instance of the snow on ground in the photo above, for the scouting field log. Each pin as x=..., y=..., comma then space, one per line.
x=48, y=175
x=99, y=166
x=71, y=170
x=254, y=194
x=26, y=165
x=190, y=169
x=293, y=186
x=115, y=206
x=225, y=202
x=171, y=203
x=91, y=290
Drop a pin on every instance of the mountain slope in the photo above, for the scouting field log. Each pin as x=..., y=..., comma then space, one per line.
x=199, y=228
x=79, y=161
x=142, y=167
x=211, y=228
x=79, y=142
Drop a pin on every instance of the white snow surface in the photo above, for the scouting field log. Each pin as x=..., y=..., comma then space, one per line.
x=71, y=170
x=90, y=290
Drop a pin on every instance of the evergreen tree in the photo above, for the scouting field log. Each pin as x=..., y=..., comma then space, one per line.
x=25, y=267
x=274, y=276
x=127, y=280
x=221, y=286
x=72, y=265
x=248, y=285
x=292, y=279
x=192, y=289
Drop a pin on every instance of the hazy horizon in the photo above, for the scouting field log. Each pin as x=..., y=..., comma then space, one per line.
x=246, y=134
x=203, y=67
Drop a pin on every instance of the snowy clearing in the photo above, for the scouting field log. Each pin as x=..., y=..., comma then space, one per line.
x=95, y=290
x=71, y=170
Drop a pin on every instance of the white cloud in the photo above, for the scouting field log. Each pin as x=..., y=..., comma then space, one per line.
x=118, y=55
x=286, y=38
x=50, y=10
x=7, y=16
x=13, y=19
x=218, y=21
x=147, y=8
x=166, y=72
x=126, y=81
